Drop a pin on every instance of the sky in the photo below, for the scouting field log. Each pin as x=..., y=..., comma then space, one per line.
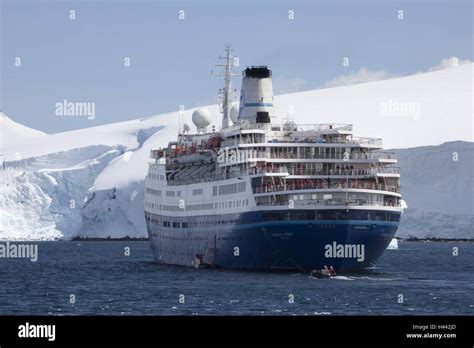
x=50, y=54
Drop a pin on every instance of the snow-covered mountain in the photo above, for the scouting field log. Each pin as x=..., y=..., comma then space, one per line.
x=89, y=182
x=14, y=133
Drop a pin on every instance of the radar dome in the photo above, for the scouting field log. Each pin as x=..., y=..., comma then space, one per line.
x=234, y=113
x=186, y=127
x=201, y=118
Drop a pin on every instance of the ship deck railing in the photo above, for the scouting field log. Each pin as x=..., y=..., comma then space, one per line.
x=331, y=202
x=290, y=127
x=346, y=173
x=226, y=176
x=366, y=172
x=309, y=140
x=324, y=184
x=389, y=170
x=292, y=155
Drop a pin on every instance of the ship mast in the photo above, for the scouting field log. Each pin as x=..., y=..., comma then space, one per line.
x=227, y=91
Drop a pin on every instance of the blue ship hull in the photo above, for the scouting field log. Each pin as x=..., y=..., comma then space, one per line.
x=254, y=244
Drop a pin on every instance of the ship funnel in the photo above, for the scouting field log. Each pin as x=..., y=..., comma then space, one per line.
x=256, y=95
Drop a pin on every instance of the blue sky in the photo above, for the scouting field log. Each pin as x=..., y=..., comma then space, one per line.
x=82, y=60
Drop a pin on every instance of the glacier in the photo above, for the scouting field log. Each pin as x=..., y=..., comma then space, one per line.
x=89, y=183
x=438, y=184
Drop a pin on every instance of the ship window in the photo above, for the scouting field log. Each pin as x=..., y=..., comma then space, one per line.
x=241, y=187
x=153, y=192
x=227, y=189
x=197, y=192
x=214, y=191
x=175, y=224
x=179, y=194
x=170, y=193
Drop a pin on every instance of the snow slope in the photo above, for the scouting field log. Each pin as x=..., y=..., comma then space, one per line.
x=128, y=134
x=439, y=103
x=13, y=133
x=89, y=182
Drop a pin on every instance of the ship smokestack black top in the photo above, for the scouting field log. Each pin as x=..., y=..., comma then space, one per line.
x=260, y=72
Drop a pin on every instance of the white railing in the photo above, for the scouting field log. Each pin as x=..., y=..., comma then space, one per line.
x=308, y=140
x=324, y=184
x=332, y=202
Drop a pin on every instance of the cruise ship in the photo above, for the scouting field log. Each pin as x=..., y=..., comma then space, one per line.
x=268, y=194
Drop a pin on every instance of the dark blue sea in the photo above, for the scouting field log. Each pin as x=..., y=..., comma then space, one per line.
x=104, y=281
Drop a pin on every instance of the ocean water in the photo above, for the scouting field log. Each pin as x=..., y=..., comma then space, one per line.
x=102, y=280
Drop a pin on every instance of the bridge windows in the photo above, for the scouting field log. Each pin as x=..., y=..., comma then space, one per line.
x=197, y=192
x=229, y=189
x=153, y=191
